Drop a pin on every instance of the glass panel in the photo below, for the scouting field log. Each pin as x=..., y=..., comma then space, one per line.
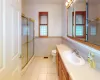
x=24, y=55
x=30, y=39
x=43, y=30
x=93, y=30
x=30, y=30
x=24, y=30
x=24, y=41
x=43, y=20
x=30, y=50
x=79, y=30
x=79, y=19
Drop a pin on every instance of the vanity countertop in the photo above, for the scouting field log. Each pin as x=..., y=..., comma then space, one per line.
x=78, y=72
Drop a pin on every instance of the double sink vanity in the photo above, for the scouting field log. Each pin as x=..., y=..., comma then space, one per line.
x=71, y=66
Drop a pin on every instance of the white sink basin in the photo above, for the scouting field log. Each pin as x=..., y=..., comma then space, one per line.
x=73, y=58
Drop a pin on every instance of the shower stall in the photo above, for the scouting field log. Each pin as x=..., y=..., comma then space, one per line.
x=27, y=40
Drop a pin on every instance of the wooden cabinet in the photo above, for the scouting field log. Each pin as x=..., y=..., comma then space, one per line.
x=57, y=60
x=62, y=72
x=63, y=75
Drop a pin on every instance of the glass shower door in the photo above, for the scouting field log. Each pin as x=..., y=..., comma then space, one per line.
x=30, y=39
x=24, y=55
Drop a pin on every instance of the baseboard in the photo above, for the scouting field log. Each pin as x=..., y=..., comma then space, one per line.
x=26, y=67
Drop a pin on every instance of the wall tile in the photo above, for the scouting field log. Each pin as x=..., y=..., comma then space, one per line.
x=44, y=46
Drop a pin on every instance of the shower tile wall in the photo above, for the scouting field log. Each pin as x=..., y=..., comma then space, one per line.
x=84, y=50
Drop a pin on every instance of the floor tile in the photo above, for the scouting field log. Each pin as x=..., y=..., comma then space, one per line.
x=51, y=77
x=41, y=69
x=42, y=77
x=51, y=71
x=51, y=65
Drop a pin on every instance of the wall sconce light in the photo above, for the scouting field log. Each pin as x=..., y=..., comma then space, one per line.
x=68, y=3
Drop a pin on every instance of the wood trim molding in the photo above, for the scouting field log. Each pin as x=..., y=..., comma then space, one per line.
x=83, y=13
x=39, y=17
x=85, y=43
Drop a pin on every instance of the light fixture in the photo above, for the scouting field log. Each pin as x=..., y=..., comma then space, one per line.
x=69, y=0
x=66, y=4
x=69, y=3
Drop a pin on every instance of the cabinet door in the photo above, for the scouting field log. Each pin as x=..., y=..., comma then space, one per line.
x=60, y=71
x=63, y=75
x=57, y=61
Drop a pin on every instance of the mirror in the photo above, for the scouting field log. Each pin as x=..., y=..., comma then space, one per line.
x=77, y=20
x=70, y=23
x=84, y=21
x=79, y=28
x=94, y=22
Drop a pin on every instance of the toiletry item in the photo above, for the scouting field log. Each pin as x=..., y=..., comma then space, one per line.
x=91, y=60
x=89, y=55
x=93, y=64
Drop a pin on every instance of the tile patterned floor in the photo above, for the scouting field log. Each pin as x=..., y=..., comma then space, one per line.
x=41, y=69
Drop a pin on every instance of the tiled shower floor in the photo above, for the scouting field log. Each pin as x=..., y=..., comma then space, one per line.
x=41, y=69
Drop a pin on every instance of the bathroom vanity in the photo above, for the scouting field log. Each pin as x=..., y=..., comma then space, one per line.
x=62, y=71
x=69, y=71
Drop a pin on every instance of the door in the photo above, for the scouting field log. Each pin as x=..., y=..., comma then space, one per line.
x=60, y=70
x=10, y=39
x=30, y=39
x=63, y=76
x=24, y=55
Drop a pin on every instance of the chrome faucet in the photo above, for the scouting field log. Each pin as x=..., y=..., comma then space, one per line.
x=76, y=52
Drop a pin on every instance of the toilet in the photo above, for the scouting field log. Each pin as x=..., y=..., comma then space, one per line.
x=53, y=55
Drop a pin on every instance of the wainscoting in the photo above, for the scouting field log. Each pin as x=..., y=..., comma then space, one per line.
x=44, y=46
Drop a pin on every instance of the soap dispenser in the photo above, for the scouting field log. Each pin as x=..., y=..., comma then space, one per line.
x=91, y=60
x=89, y=56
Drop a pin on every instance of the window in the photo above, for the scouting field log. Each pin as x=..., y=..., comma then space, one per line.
x=79, y=30
x=43, y=24
x=93, y=30
x=80, y=17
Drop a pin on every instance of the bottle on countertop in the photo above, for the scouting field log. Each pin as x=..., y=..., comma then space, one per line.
x=91, y=60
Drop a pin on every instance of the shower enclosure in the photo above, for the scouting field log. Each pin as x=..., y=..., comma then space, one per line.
x=27, y=40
